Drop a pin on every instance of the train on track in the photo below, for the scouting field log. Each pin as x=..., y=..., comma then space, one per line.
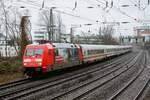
x=42, y=58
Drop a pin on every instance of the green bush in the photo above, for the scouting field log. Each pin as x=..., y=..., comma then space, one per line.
x=10, y=65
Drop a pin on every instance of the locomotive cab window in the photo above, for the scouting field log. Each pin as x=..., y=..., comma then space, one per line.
x=33, y=51
x=38, y=51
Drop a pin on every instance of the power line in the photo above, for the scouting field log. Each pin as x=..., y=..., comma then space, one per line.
x=83, y=18
x=106, y=11
x=89, y=3
x=74, y=15
x=135, y=3
x=100, y=2
x=126, y=14
x=138, y=4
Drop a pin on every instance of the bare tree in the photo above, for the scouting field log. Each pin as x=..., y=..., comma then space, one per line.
x=5, y=23
x=24, y=40
x=11, y=20
x=59, y=27
x=106, y=35
x=53, y=24
x=47, y=21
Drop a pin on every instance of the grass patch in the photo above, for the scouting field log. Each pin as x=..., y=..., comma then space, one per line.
x=4, y=78
x=10, y=65
x=10, y=69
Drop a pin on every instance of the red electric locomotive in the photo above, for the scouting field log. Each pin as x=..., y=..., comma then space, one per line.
x=46, y=57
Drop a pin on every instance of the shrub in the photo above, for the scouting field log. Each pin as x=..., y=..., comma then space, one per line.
x=10, y=65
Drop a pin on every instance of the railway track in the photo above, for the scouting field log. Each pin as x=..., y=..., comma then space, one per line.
x=25, y=80
x=53, y=84
x=83, y=90
x=15, y=91
x=134, y=89
x=8, y=89
x=125, y=92
x=14, y=83
x=142, y=90
x=144, y=93
x=113, y=89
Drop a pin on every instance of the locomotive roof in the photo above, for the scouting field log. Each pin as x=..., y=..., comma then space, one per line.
x=63, y=45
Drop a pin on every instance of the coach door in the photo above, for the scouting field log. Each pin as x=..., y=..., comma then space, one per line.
x=73, y=55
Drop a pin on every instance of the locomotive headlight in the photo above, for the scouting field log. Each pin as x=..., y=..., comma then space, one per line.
x=39, y=63
x=27, y=60
x=24, y=64
x=38, y=60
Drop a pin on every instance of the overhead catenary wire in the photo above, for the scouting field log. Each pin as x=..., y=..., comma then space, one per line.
x=124, y=13
x=109, y=10
x=100, y=1
x=63, y=12
x=138, y=4
x=80, y=17
x=66, y=13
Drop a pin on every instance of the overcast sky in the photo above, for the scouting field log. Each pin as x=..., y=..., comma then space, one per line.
x=137, y=9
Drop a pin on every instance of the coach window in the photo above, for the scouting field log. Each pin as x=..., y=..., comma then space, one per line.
x=71, y=52
x=85, y=52
x=107, y=50
x=102, y=51
x=76, y=51
x=63, y=53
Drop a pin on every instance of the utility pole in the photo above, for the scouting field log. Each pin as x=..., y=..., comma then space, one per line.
x=59, y=28
x=71, y=34
x=6, y=40
x=51, y=30
x=139, y=4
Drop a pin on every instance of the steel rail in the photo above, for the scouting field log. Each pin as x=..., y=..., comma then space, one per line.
x=85, y=84
x=127, y=85
x=72, y=90
x=14, y=83
x=142, y=90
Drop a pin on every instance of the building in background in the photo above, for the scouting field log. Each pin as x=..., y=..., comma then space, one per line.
x=91, y=39
x=143, y=31
x=40, y=34
x=11, y=52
